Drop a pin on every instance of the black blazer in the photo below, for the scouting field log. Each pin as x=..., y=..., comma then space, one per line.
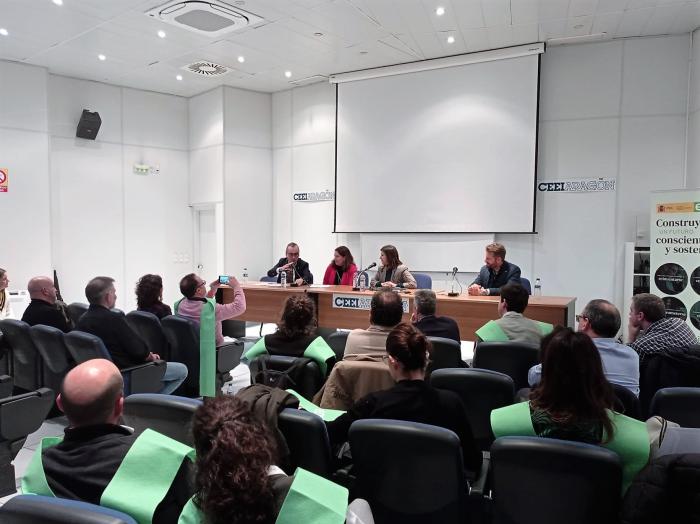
x=41, y=312
x=301, y=269
x=444, y=327
x=488, y=279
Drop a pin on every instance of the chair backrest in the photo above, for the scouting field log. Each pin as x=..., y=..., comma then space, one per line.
x=408, y=472
x=675, y=367
x=77, y=310
x=85, y=346
x=268, y=279
x=25, y=358
x=512, y=358
x=446, y=353
x=678, y=405
x=526, y=284
x=481, y=391
x=423, y=281
x=337, y=343
x=23, y=414
x=148, y=327
x=183, y=336
x=308, y=378
x=627, y=402
x=307, y=438
x=55, y=359
x=24, y=509
x=167, y=414
x=546, y=481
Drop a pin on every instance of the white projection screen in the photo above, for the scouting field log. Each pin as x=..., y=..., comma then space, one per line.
x=441, y=151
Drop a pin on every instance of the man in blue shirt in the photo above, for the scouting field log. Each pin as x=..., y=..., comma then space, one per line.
x=600, y=320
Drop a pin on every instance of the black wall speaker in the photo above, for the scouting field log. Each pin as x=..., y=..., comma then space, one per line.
x=89, y=125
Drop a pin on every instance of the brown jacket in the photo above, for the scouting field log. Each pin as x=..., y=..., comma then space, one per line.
x=401, y=275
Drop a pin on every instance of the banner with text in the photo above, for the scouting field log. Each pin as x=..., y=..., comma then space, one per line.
x=344, y=301
x=675, y=253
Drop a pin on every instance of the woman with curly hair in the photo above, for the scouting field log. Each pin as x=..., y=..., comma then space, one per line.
x=149, y=296
x=236, y=481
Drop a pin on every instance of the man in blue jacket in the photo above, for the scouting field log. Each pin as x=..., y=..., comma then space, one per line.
x=496, y=273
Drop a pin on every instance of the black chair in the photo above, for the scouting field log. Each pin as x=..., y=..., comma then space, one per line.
x=526, y=284
x=481, y=391
x=337, y=343
x=30, y=509
x=512, y=358
x=142, y=378
x=446, y=353
x=307, y=380
x=77, y=310
x=4, y=356
x=5, y=386
x=167, y=414
x=627, y=402
x=675, y=367
x=19, y=416
x=307, y=439
x=56, y=360
x=148, y=327
x=408, y=472
x=26, y=363
x=546, y=481
x=680, y=405
x=183, y=336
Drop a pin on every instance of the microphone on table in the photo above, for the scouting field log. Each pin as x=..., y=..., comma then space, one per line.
x=359, y=275
x=453, y=293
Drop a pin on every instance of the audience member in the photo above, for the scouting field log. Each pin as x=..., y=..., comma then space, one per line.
x=600, y=320
x=43, y=308
x=651, y=332
x=513, y=325
x=385, y=313
x=574, y=401
x=94, y=453
x=496, y=272
x=297, y=270
x=194, y=289
x=392, y=272
x=149, y=296
x=342, y=269
x=5, y=305
x=124, y=345
x=424, y=318
x=411, y=399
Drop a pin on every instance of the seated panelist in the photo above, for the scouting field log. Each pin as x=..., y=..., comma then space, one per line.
x=496, y=272
x=342, y=269
x=392, y=272
x=297, y=269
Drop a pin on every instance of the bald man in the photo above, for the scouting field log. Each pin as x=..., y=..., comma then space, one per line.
x=43, y=308
x=94, y=446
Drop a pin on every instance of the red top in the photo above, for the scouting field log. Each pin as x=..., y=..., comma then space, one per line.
x=346, y=280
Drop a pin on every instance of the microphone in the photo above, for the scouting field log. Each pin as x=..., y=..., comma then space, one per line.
x=373, y=264
x=454, y=271
x=359, y=275
x=453, y=293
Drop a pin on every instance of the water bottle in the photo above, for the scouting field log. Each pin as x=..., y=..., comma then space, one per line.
x=245, y=274
x=283, y=278
x=538, y=287
x=356, y=281
x=363, y=281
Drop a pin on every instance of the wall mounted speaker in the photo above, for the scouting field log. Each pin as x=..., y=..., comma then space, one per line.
x=89, y=125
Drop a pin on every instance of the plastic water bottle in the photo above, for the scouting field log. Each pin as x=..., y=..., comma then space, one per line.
x=538, y=287
x=245, y=274
x=356, y=281
x=283, y=278
x=363, y=281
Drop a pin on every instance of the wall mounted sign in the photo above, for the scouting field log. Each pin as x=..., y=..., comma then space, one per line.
x=578, y=185
x=4, y=177
x=314, y=196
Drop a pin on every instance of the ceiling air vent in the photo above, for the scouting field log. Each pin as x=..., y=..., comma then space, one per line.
x=206, y=68
x=213, y=18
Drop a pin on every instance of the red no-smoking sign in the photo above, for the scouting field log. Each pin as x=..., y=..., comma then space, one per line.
x=3, y=180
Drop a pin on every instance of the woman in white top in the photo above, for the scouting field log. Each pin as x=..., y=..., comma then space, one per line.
x=5, y=307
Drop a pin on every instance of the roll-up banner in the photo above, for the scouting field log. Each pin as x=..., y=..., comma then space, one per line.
x=675, y=253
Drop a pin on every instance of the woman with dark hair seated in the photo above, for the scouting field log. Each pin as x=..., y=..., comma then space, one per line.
x=392, y=272
x=411, y=399
x=149, y=296
x=342, y=269
x=574, y=401
x=296, y=334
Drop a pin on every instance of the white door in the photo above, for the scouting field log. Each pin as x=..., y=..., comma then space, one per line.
x=206, y=244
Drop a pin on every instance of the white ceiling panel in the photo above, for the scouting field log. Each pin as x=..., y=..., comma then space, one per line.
x=342, y=19
x=610, y=6
x=469, y=14
x=476, y=39
x=663, y=18
x=582, y=8
x=496, y=13
x=528, y=11
x=579, y=26
x=606, y=23
x=633, y=22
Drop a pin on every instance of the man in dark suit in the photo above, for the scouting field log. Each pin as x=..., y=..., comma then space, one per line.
x=297, y=269
x=496, y=272
x=423, y=317
x=43, y=308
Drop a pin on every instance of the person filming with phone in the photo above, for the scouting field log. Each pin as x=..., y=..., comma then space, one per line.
x=297, y=270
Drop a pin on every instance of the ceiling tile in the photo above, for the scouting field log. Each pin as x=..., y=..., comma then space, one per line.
x=469, y=14
x=663, y=19
x=579, y=26
x=476, y=39
x=496, y=13
x=607, y=23
x=633, y=22
x=526, y=11
x=343, y=20
x=611, y=6
x=582, y=7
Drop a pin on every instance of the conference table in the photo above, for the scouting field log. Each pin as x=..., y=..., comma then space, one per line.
x=341, y=307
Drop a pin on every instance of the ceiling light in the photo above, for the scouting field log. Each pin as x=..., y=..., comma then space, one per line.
x=450, y=39
x=58, y=2
x=3, y=31
x=318, y=34
x=288, y=74
x=440, y=11
x=102, y=57
x=178, y=77
x=161, y=33
x=578, y=26
x=241, y=59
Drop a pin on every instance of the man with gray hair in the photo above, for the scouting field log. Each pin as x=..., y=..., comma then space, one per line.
x=124, y=345
x=424, y=318
x=43, y=308
x=600, y=320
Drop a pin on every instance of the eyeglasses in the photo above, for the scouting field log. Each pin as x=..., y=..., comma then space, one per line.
x=580, y=317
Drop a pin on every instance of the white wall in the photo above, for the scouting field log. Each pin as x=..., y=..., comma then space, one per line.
x=693, y=149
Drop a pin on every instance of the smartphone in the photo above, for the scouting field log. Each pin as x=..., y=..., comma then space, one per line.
x=223, y=279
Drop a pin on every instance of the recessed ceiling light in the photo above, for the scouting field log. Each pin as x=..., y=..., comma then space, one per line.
x=58, y=2
x=288, y=74
x=440, y=11
x=161, y=33
x=318, y=34
x=178, y=77
x=364, y=52
x=3, y=31
x=578, y=26
x=102, y=57
x=241, y=59
x=450, y=39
